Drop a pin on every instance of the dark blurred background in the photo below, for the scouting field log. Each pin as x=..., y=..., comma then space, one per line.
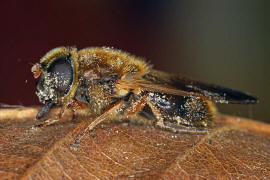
x=223, y=42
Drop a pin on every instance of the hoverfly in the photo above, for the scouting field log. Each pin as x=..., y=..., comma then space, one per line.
x=108, y=84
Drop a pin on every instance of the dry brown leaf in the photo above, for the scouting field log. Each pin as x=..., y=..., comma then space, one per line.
x=236, y=148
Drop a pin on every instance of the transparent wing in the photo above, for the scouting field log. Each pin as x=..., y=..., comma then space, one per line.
x=157, y=81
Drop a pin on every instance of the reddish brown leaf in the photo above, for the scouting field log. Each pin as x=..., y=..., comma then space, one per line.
x=236, y=148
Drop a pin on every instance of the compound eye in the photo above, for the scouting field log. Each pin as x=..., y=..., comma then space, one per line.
x=61, y=74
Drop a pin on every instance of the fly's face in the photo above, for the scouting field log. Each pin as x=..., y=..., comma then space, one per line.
x=57, y=76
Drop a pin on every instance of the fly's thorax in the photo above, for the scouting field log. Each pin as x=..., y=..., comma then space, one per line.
x=96, y=90
x=110, y=59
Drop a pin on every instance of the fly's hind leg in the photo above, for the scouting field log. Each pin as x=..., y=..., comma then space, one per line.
x=175, y=127
x=157, y=114
x=136, y=107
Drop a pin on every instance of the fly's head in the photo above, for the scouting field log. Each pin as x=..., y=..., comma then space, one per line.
x=57, y=76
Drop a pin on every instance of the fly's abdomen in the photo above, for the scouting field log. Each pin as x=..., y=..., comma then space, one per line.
x=182, y=112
